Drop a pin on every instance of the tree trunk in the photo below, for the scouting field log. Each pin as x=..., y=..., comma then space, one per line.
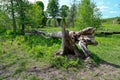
x=13, y=16
x=68, y=46
x=22, y=15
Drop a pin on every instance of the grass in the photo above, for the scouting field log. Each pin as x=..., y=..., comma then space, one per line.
x=56, y=29
x=110, y=27
x=20, y=53
x=108, y=49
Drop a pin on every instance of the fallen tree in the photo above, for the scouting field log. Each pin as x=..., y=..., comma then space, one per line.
x=83, y=38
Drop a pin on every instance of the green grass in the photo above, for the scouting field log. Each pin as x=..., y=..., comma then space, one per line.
x=108, y=49
x=110, y=27
x=56, y=29
x=20, y=53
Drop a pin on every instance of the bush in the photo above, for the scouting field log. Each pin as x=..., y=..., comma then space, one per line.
x=9, y=32
x=48, y=22
x=54, y=22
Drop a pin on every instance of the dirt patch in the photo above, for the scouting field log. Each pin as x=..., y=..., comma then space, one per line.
x=105, y=71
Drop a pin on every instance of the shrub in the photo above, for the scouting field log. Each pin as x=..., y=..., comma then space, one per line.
x=54, y=22
x=48, y=22
x=9, y=32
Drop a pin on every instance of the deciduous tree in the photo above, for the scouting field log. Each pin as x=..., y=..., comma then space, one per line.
x=88, y=15
x=64, y=11
x=53, y=8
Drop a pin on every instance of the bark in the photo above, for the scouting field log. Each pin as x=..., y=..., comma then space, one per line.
x=13, y=16
x=68, y=46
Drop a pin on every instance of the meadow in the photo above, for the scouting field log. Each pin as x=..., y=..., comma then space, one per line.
x=20, y=55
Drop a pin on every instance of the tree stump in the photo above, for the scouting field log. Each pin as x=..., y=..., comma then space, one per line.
x=83, y=38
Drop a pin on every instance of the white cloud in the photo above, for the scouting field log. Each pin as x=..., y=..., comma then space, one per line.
x=113, y=12
x=31, y=1
x=103, y=8
x=100, y=3
x=35, y=0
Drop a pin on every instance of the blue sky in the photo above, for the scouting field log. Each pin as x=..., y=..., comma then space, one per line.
x=109, y=8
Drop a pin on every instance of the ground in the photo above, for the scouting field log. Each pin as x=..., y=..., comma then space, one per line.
x=104, y=71
x=30, y=58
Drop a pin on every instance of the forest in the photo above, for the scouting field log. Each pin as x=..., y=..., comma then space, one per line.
x=57, y=42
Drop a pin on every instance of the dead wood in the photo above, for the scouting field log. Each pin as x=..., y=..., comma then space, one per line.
x=68, y=45
x=83, y=38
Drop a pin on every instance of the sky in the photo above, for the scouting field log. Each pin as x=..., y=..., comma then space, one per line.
x=109, y=8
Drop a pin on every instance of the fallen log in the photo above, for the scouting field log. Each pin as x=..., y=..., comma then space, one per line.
x=83, y=38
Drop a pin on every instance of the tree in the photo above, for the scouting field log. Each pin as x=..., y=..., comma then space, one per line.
x=72, y=14
x=13, y=15
x=22, y=6
x=41, y=6
x=64, y=11
x=88, y=15
x=53, y=8
x=40, y=3
x=36, y=15
x=16, y=10
x=9, y=7
x=4, y=20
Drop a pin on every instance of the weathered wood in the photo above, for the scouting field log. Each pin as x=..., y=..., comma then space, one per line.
x=68, y=46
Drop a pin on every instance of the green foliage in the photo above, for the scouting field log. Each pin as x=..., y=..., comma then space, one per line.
x=53, y=8
x=40, y=3
x=64, y=62
x=71, y=16
x=23, y=14
x=4, y=21
x=36, y=16
x=37, y=52
x=54, y=22
x=9, y=32
x=48, y=23
x=88, y=15
x=64, y=11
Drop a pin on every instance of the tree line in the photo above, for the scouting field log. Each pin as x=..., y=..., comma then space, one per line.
x=21, y=15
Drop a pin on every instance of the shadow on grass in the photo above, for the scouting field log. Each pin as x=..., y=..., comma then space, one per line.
x=99, y=61
x=102, y=35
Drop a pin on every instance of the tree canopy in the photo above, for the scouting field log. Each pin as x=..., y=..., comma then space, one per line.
x=64, y=11
x=88, y=15
x=53, y=8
